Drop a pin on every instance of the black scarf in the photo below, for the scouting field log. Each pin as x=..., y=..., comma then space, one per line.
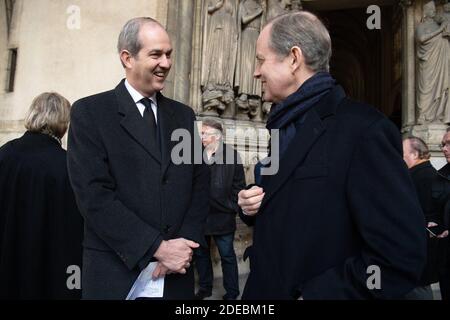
x=284, y=116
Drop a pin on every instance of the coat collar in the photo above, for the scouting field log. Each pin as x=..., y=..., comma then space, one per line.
x=420, y=166
x=133, y=124
x=40, y=138
x=306, y=136
x=132, y=121
x=445, y=170
x=329, y=104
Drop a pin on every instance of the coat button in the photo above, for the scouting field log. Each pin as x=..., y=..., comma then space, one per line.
x=166, y=229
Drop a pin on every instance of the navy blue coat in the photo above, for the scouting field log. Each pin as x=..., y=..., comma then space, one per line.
x=131, y=195
x=341, y=201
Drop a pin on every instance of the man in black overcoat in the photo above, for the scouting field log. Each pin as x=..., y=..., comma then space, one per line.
x=139, y=206
x=444, y=279
x=433, y=193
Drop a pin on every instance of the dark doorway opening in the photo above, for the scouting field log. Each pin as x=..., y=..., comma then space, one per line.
x=367, y=63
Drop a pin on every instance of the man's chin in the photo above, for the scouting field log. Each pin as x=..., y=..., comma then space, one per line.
x=267, y=98
x=158, y=87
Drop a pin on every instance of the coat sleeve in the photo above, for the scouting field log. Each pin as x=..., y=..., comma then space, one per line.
x=193, y=227
x=94, y=187
x=238, y=181
x=233, y=182
x=389, y=220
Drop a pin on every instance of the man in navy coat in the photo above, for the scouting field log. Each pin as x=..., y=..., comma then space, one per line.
x=340, y=219
x=139, y=207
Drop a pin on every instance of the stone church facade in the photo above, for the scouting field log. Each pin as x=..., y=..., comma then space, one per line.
x=383, y=53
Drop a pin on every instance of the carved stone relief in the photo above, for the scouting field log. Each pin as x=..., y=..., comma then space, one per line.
x=228, y=58
x=433, y=53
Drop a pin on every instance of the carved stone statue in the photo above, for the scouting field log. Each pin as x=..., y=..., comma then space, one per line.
x=248, y=88
x=277, y=7
x=444, y=17
x=433, y=103
x=296, y=5
x=266, y=106
x=219, y=55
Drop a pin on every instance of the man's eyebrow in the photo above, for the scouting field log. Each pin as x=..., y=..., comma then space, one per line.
x=159, y=51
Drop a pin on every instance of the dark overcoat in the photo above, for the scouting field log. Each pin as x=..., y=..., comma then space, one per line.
x=341, y=207
x=130, y=192
x=227, y=179
x=41, y=229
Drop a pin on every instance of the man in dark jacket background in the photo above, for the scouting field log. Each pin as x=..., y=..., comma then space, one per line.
x=227, y=179
x=432, y=199
x=444, y=279
x=340, y=219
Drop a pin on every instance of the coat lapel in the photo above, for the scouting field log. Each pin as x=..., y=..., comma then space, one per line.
x=167, y=124
x=305, y=137
x=133, y=123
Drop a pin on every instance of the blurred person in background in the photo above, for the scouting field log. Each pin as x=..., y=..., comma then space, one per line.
x=227, y=179
x=40, y=227
x=444, y=278
x=427, y=182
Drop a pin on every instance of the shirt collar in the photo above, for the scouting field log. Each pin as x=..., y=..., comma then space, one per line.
x=136, y=95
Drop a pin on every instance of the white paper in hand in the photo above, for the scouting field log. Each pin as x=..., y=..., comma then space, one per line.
x=145, y=286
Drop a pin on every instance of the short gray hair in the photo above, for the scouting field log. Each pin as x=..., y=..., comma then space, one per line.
x=129, y=36
x=212, y=123
x=419, y=146
x=49, y=112
x=305, y=30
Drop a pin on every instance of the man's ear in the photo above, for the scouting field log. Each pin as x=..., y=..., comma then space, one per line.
x=297, y=58
x=126, y=57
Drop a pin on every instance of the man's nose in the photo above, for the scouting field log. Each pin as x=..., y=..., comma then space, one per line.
x=256, y=74
x=166, y=62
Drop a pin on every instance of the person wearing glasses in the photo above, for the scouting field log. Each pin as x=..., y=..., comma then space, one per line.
x=227, y=179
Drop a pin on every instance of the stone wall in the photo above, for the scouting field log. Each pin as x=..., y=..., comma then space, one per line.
x=55, y=55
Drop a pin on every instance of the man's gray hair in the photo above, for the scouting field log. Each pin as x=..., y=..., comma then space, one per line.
x=212, y=123
x=129, y=36
x=305, y=30
x=420, y=146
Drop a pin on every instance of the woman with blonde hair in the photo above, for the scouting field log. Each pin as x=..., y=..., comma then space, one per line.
x=40, y=226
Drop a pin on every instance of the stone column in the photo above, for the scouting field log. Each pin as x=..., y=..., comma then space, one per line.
x=180, y=27
x=408, y=98
x=196, y=93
